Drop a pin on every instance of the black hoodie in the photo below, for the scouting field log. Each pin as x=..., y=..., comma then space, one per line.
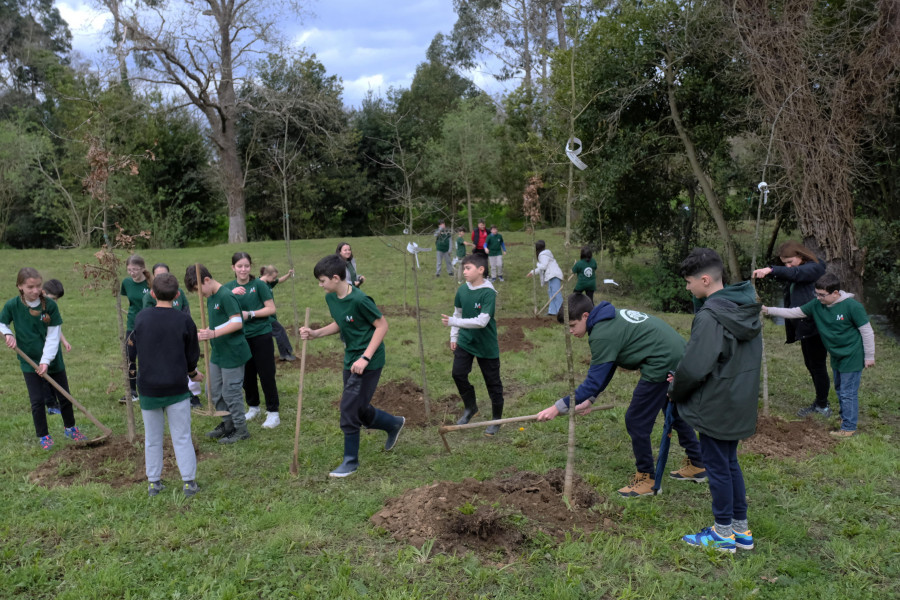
x=716, y=384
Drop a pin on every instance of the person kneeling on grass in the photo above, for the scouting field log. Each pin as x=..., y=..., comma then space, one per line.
x=362, y=328
x=716, y=390
x=167, y=354
x=632, y=340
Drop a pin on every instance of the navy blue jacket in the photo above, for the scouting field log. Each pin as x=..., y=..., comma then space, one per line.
x=799, y=288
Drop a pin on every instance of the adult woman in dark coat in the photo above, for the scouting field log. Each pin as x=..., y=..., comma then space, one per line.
x=800, y=272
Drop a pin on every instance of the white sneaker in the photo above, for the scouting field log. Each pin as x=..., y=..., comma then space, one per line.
x=272, y=420
x=251, y=414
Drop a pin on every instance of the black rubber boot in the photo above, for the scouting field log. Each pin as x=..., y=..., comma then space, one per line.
x=389, y=423
x=351, y=456
x=496, y=413
x=467, y=415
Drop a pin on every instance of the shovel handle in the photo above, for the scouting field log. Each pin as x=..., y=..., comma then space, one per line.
x=445, y=428
x=106, y=430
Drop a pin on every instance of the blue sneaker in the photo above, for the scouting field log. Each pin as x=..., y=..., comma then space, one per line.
x=710, y=539
x=155, y=488
x=74, y=434
x=52, y=410
x=743, y=540
x=46, y=442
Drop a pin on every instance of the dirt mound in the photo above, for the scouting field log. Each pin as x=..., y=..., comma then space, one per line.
x=495, y=514
x=116, y=463
x=800, y=440
x=512, y=332
x=405, y=398
x=315, y=362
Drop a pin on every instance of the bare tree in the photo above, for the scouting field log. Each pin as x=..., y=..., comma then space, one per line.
x=823, y=70
x=203, y=47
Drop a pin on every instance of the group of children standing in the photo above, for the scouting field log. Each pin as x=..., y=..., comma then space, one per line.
x=713, y=380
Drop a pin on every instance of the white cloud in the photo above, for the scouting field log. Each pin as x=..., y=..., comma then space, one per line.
x=83, y=19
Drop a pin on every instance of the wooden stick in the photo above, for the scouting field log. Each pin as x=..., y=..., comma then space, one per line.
x=210, y=409
x=106, y=430
x=445, y=428
x=295, y=465
x=554, y=296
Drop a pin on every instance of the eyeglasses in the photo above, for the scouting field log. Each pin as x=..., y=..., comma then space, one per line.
x=823, y=294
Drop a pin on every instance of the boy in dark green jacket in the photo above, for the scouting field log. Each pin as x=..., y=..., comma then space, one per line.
x=716, y=388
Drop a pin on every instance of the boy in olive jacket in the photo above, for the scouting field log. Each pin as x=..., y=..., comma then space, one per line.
x=716, y=390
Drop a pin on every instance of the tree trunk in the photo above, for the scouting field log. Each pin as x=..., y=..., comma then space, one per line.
x=469, y=205
x=560, y=25
x=129, y=405
x=526, y=50
x=715, y=208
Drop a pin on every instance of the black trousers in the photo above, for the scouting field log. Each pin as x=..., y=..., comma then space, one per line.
x=815, y=357
x=36, y=391
x=490, y=369
x=261, y=364
x=647, y=401
x=356, y=400
x=131, y=350
x=726, y=480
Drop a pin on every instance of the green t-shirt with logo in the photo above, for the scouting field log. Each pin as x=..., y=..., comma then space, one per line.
x=135, y=293
x=838, y=326
x=637, y=341
x=442, y=240
x=31, y=330
x=256, y=292
x=179, y=303
x=460, y=247
x=355, y=314
x=231, y=350
x=494, y=244
x=587, y=275
x=478, y=342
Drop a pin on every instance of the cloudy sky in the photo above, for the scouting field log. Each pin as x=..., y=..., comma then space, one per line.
x=370, y=44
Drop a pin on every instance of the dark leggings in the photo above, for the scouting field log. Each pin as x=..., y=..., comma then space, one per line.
x=261, y=363
x=131, y=350
x=815, y=357
x=36, y=391
x=588, y=293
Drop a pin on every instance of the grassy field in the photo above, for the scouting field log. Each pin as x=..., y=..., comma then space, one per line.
x=826, y=527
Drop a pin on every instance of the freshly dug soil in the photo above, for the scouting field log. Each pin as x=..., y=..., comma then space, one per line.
x=512, y=332
x=800, y=440
x=405, y=398
x=499, y=514
x=116, y=463
x=315, y=362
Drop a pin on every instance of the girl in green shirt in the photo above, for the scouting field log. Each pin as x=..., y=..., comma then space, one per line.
x=134, y=287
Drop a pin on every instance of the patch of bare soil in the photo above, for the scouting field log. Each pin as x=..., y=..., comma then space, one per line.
x=315, y=362
x=496, y=514
x=511, y=336
x=777, y=438
x=116, y=463
x=405, y=398
x=399, y=311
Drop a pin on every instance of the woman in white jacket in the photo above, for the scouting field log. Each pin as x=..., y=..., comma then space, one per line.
x=549, y=272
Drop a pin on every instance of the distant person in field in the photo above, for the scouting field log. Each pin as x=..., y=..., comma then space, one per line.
x=442, y=237
x=847, y=334
x=548, y=272
x=473, y=334
x=134, y=287
x=716, y=390
x=461, y=244
x=479, y=238
x=496, y=248
x=586, y=270
x=38, y=324
x=257, y=308
x=638, y=342
x=350, y=275
x=167, y=353
x=53, y=289
x=799, y=274
x=269, y=274
x=362, y=328
x=230, y=352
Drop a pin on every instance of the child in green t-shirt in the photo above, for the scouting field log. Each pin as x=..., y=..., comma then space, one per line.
x=586, y=269
x=134, y=287
x=847, y=335
x=181, y=300
x=362, y=328
x=53, y=289
x=269, y=274
x=38, y=323
x=442, y=237
x=496, y=248
x=461, y=244
x=229, y=353
x=473, y=334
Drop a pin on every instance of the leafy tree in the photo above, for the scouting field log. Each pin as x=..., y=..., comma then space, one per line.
x=34, y=39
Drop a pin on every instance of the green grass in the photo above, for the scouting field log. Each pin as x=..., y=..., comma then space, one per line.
x=826, y=527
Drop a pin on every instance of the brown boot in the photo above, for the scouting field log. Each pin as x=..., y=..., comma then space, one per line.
x=689, y=472
x=641, y=485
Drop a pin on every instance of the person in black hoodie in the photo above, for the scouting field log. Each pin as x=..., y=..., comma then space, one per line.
x=799, y=274
x=167, y=352
x=635, y=341
x=716, y=390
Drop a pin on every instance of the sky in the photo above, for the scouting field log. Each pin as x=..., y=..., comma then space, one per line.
x=369, y=44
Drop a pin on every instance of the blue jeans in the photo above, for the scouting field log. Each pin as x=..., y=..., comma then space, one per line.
x=556, y=303
x=847, y=386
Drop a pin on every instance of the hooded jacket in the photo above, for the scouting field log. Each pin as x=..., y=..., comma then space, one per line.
x=716, y=384
x=799, y=288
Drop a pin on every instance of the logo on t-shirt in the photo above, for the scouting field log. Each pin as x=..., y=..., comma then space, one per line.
x=216, y=307
x=633, y=316
x=349, y=318
x=588, y=272
x=478, y=305
x=840, y=317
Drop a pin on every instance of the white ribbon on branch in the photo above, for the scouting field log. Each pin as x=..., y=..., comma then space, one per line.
x=413, y=248
x=573, y=149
